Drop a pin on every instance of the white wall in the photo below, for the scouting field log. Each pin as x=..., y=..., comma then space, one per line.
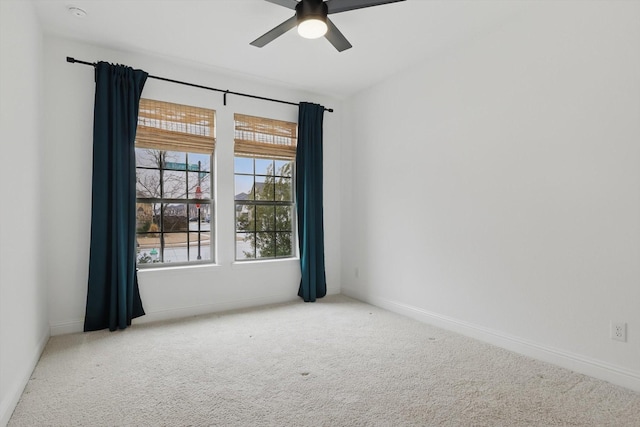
x=496, y=188
x=178, y=291
x=23, y=308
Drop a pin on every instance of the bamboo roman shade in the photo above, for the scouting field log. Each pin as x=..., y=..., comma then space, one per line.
x=257, y=136
x=175, y=127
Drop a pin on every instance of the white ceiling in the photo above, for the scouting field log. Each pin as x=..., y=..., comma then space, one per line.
x=216, y=33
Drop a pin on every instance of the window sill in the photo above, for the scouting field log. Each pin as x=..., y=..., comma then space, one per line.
x=165, y=267
x=267, y=263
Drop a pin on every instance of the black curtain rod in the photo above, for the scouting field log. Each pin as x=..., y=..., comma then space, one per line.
x=225, y=92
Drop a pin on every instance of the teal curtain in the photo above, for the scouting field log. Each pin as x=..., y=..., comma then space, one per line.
x=309, y=202
x=113, y=298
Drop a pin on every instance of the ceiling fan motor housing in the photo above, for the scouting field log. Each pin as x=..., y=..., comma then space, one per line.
x=311, y=9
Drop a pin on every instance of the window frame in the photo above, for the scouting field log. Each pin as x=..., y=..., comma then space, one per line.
x=182, y=130
x=189, y=202
x=256, y=203
x=264, y=139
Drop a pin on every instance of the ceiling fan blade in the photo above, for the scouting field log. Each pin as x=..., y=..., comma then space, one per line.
x=271, y=35
x=337, y=6
x=290, y=4
x=336, y=38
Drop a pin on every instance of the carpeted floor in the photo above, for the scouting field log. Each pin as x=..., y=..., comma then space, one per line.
x=337, y=362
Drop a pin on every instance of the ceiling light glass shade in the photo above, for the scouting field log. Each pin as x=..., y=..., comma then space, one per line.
x=312, y=28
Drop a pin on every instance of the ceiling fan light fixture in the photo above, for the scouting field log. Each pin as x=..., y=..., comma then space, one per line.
x=311, y=16
x=312, y=28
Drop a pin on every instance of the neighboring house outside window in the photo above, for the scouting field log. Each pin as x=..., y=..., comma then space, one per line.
x=174, y=211
x=265, y=152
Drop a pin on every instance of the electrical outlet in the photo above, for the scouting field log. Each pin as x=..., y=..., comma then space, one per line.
x=619, y=331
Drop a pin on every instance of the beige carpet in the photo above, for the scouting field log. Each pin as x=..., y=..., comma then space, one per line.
x=337, y=362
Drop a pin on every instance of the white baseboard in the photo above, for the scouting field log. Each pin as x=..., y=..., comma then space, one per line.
x=575, y=362
x=77, y=325
x=67, y=327
x=15, y=390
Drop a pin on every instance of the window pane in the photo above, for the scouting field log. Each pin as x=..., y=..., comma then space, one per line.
x=283, y=189
x=265, y=218
x=244, y=246
x=205, y=252
x=204, y=244
x=147, y=183
x=245, y=215
x=284, y=168
x=147, y=157
x=175, y=217
x=175, y=185
x=264, y=167
x=144, y=217
x=204, y=159
x=244, y=185
x=264, y=229
x=148, y=248
x=265, y=245
x=205, y=223
x=206, y=215
x=283, y=218
x=264, y=189
x=193, y=216
x=175, y=247
x=201, y=179
x=284, y=244
x=175, y=160
x=243, y=165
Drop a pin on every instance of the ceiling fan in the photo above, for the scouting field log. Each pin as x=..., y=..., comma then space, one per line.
x=312, y=21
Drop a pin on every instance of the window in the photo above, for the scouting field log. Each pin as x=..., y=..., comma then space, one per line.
x=265, y=151
x=174, y=210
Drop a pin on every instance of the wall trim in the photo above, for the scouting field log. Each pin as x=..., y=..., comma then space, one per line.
x=66, y=327
x=15, y=390
x=565, y=359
